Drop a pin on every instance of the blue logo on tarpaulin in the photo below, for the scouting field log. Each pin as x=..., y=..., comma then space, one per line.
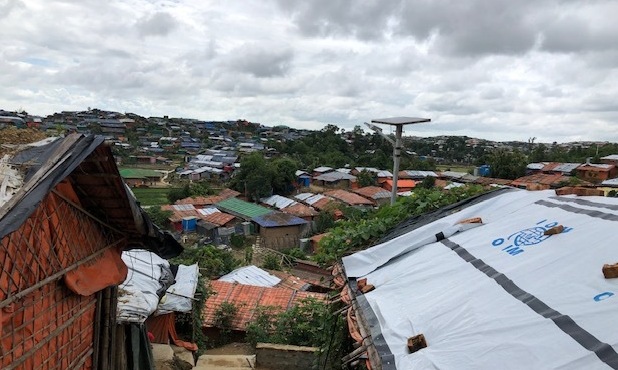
x=515, y=243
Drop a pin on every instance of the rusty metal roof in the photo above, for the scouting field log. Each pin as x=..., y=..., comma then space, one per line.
x=349, y=197
x=373, y=192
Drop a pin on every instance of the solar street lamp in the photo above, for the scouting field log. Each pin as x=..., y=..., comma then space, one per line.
x=398, y=122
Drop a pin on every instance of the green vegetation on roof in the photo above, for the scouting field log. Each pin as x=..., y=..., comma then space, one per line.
x=139, y=173
x=243, y=208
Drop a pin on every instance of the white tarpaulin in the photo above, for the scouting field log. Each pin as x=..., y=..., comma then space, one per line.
x=501, y=295
x=137, y=295
x=178, y=297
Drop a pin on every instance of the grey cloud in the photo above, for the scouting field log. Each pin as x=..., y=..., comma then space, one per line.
x=7, y=6
x=261, y=61
x=365, y=20
x=574, y=34
x=158, y=24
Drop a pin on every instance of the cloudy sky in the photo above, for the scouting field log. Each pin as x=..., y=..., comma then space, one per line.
x=494, y=69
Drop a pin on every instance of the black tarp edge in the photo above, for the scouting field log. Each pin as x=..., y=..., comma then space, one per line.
x=160, y=242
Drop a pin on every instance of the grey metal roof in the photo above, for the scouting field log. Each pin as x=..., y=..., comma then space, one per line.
x=303, y=196
x=566, y=167
x=335, y=176
x=277, y=219
x=535, y=166
x=400, y=120
x=453, y=174
x=322, y=169
x=278, y=201
x=208, y=211
x=369, y=169
x=612, y=157
x=385, y=173
x=314, y=198
x=610, y=182
x=421, y=174
x=251, y=275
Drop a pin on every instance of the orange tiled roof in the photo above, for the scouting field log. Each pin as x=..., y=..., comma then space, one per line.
x=247, y=298
x=349, y=197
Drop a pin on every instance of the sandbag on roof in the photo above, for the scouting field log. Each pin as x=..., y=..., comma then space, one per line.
x=497, y=294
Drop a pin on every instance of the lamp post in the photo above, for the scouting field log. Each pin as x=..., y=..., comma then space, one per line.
x=398, y=122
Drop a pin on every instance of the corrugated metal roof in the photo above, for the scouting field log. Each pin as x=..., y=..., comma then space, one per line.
x=251, y=275
x=183, y=207
x=344, y=170
x=368, y=169
x=303, y=196
x=335, y=176
x=278, y=201
x=276, y=219
x=612, y=157
x=348, y=197
x=420, y=174
x=300, y=210
x=322, y=203
x=313, y=198
x=322, y=169
x=384, y=173
x=300, y=172
x=610, y=182
x=373, y=192
x=566, y=167
x=596, y=167
x=536, y=166
x=219, y=218
x=244, y=209
x=208, y=211
x=453, y=174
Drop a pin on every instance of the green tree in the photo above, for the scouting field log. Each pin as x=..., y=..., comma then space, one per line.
x=284, y=175
x=254, y=177
x=213, y=262
x=159, y=216
x=271, y=262
x=223, y=319
x=427, y=183
x=506, y=164
x=365, y=178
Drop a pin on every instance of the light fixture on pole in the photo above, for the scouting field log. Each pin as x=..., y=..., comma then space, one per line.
x=398, y=122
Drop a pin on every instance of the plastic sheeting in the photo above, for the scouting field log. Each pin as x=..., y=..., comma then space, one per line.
x=137, y=295
x=501, y=295
x=179, y=295
x=251, y=275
